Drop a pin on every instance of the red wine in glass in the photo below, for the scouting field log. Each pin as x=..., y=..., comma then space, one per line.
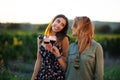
x=46, y=40
x=52, y=39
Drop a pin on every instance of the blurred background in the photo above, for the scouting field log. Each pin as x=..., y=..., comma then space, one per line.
x=21, y=21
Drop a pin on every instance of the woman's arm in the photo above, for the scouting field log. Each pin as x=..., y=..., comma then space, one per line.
x=62, y=59
x=99, y=67
x=65, y=46
x=38, y=62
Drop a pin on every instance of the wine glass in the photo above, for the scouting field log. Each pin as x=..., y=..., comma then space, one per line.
x=46, y=39
x=52, y=39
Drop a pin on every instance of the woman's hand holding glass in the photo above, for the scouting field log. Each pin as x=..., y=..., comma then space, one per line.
x=55, y=51
x=49, y=42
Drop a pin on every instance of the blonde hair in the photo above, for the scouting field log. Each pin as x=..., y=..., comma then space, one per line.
x=84, y=33
x=47, y=30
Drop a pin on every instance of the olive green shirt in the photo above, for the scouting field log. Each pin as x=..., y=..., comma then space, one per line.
x=91, y=63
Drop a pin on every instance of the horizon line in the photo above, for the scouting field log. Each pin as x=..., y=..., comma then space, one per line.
x=28, y=22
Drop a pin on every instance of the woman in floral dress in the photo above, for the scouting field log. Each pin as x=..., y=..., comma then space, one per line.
x=51, y=64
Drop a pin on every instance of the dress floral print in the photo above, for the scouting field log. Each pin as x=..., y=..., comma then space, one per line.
x=50, y=69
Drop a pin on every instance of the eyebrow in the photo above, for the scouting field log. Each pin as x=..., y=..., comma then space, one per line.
x=61, y=22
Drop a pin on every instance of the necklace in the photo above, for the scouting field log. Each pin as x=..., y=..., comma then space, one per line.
x=77, y=62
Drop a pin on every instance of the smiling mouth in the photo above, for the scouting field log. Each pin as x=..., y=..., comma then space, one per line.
x=56, y=28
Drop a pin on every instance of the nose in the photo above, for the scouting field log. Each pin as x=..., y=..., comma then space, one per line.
x=58, y=26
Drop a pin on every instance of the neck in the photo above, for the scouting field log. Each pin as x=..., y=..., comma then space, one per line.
x=52, y=33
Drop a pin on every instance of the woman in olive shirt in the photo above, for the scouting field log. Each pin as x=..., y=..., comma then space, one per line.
x=85, y=56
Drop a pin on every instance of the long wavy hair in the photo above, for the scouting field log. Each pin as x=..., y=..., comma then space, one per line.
x=60, y=35
x=84, y=32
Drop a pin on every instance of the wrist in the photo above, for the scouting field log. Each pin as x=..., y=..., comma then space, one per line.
x=58, y=57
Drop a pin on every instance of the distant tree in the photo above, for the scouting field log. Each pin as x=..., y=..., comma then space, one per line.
x=41, y=27
x=12, y=26
x=1, y=26
x=117, y=31
x=103, y=29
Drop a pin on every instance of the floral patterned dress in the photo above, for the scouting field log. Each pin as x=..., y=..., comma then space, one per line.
x=50, y=69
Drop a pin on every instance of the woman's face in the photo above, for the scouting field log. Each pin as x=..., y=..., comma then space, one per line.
x=74, y=30
x=58, y=24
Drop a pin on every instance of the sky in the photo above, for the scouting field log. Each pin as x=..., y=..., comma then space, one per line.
x=42, y=11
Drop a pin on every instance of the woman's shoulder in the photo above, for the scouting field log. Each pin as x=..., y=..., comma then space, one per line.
x=66, y=38
x=65, y=41
x=95, y=43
